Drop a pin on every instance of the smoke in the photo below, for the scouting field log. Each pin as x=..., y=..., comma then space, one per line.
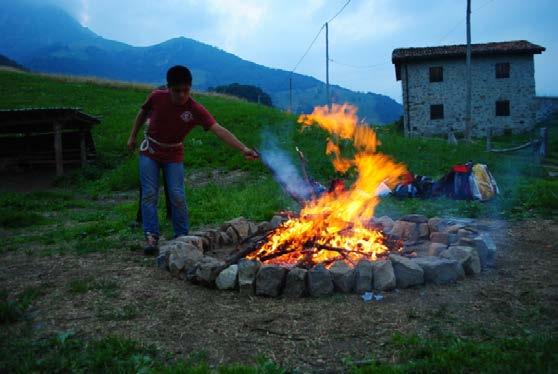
x=283, y=168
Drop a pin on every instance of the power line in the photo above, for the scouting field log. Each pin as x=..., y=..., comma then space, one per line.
x=318, y=34
x=308, y=49
x=460, y=23
x=339, y=12
x=359, y=66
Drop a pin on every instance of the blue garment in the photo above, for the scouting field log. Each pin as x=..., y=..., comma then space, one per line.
x=149, y=179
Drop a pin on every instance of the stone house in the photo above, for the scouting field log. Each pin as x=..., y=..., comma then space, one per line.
x=433, y=81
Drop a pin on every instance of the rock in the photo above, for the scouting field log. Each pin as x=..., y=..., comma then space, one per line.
x=252, y=228
x=213, y=236
x=467, y=257
x=191, y=239
x=270, y=280
x=436, y=249
x=207, y=270
x=404, y=230
x=416, y=218
x=419, y=247
x=466, y=241
x=231, y=232
x=464, y=233
x=228, y=278
x=423, y=231
x=486, y=249
x=295, y=285
x=454, y=229
x=384, y=277
x=363, y=276
x=320, y=281
x=224, y=239
x=183, y=258
x=439, y=237
x=439, y=270
x=206, y=241
x=264, y=227
x=162, y=261
x=453, y=238
x=276, y=221
x=386, y=222
x=434, y=224
x=247, y=270
x=167, y=247
x=241, y=226
x=343, y=276
x=407, y=273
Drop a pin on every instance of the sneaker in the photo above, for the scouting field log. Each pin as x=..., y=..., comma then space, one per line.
x=151, y=246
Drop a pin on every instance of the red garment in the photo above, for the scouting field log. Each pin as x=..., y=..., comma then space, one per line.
x=461, y=168
x=169, y=123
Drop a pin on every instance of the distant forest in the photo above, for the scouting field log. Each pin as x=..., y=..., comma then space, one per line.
x=244, y=91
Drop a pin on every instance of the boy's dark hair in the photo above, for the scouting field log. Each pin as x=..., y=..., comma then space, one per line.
x=179, y=74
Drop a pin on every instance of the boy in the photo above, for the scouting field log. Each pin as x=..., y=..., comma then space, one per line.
x=172, y=114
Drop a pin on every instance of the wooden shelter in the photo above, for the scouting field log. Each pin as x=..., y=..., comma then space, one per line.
x=46, y=136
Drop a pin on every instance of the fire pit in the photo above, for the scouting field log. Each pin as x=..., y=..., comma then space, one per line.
x=420, y=251
x=334, y=243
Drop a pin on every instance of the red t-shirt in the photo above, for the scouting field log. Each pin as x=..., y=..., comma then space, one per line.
x=169, y=123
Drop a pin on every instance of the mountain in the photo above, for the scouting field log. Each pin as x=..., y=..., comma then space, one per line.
x=46, y=39
x=6, y=62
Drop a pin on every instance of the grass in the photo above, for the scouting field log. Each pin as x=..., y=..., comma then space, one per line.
x=116, y=170
x=108, y=287
x=13, y=309
x=452, y=354
x=66, y=352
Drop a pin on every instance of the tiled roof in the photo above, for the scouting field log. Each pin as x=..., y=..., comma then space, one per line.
x=451, y=51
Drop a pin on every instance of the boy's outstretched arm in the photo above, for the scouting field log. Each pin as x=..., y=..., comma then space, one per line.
x=231, y=140
x=138, y=122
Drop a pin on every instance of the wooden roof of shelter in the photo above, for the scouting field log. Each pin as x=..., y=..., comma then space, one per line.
x=514, y=47
x=42, y=119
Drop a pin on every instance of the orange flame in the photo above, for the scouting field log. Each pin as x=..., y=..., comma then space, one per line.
x=336, y=226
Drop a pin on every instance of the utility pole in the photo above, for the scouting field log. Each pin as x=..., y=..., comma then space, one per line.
x=291, y=93
x=468, y=127
x=328, y=98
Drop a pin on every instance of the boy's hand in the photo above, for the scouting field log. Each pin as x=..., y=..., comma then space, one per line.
x=250, y=154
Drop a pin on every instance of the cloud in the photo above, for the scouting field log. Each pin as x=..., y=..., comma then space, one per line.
x=233, y=21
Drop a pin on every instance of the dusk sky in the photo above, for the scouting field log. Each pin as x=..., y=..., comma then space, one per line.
x=277, y=33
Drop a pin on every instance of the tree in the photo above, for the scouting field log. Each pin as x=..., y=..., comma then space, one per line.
x=251, y=93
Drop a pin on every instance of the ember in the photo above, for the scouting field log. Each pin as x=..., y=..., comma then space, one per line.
x=336, y=225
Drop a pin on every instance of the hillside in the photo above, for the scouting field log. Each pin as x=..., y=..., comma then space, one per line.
x=6, y=62
x=256, y=194
x=46, y=39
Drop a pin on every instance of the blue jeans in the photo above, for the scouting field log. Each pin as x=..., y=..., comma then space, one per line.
x=174, y=177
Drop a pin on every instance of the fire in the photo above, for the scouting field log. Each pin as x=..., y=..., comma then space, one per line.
x=336, y=225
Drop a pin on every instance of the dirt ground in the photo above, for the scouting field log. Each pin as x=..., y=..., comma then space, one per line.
x=306, y=334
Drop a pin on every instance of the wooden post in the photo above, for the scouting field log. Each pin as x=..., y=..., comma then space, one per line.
x=468, y=127
x=58, y=149
x=83, y=148
x=543, y=145
x=291, y=93
x=328, y=97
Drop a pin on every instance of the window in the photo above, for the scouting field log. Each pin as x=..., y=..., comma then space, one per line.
x=436, y=74
x=502, y=108
x=436, y=111
x=502, y=70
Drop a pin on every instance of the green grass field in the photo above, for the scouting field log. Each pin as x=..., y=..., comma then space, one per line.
x=83, y=215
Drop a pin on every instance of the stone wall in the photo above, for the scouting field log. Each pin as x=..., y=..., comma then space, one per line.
x=547, y=106
x=519, y=89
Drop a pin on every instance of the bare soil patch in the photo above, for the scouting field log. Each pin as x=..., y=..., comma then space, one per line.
x=310, y=334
